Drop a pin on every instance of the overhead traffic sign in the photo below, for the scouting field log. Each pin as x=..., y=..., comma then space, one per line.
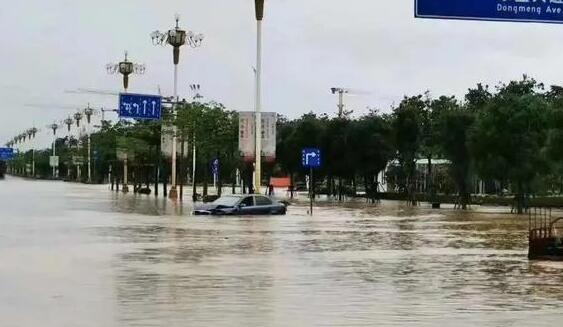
x=538, y=11
x=140, y=106
x=7, y=154
x=311, y=158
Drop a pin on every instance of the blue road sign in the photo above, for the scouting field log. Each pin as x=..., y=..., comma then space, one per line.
x=215, y=167
x=7, y=154
x=140, y=106
x=539, y=11
x=311, y=158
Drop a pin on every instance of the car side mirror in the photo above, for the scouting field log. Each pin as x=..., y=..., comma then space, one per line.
x=242, y=205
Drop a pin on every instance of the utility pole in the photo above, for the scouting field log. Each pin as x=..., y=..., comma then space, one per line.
x=31, y=137
x=78, y=117
x=176, y=37
x=54, y=127
x=195, y=88
x=88, y=112
x=259, y=7
x=125, y=68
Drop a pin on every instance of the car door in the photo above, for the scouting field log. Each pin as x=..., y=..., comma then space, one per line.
x=263, y=205
x=247, y=206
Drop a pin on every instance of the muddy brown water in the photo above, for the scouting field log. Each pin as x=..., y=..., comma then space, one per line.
x=78, y=255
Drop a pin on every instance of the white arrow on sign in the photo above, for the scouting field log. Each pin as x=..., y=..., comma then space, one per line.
x=145, y=107
x=309, y=155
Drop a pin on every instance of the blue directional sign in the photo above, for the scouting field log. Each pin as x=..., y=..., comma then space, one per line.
x=215, y=167
x=311, y=158
x=6, y=154
x=539, y=11
x=140, y=106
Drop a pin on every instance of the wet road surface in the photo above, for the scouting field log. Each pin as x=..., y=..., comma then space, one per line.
x=78, y=255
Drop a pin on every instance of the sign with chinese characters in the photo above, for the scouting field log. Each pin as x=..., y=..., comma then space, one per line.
x=166, y=138
x=54, y=161
x=7, y=154
x=140, y=106
x=539, y=11
x=247, y=139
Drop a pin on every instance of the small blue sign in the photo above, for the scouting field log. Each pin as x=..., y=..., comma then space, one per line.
x=311, y=158
x=140, y=106
x=215, y=167
x=538, y=11
x=7, y=154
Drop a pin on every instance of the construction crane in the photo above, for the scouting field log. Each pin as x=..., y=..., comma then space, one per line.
x=92, y=91
x=341, y=91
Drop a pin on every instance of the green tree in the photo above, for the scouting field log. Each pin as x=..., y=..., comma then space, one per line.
x=510, y=134
x=408, y=132
x=455, y=123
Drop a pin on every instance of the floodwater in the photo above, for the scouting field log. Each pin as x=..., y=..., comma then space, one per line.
x=78, y=255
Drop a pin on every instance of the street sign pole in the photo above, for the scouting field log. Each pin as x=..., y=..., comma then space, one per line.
x=142, y=107
x=54, y=155
x=311, y=191
x=89, y=156
x=173, y=193
x=311, y=158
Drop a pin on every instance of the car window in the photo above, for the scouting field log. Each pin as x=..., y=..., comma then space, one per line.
x=263, y=201
x=248, y=201
x=227, y=200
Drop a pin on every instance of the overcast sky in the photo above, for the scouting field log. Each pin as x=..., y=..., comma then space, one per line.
x=377, y=46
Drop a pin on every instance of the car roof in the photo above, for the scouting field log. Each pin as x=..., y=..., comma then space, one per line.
x=244, y=195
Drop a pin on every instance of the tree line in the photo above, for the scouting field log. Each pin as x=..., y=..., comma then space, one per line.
x=509, y=136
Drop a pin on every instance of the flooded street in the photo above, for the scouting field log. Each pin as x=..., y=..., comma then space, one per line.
x=79, y=255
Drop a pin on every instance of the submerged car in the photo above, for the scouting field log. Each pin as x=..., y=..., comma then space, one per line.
x=242, y=205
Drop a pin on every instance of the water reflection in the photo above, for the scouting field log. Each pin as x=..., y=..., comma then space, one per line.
x=140, y=261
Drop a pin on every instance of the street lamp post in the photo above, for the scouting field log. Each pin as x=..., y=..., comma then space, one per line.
x=125, y=68
x=176, y=37
x=78, y=117
x=68, y=122
x=259, y=6
x=31, y=137
x=195, y=88
x=54, y=127
x=22, y=138
x=88, y=112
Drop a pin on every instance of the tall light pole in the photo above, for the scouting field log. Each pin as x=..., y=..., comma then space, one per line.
x=78, y=117
x=125, y=68
x=195, y=88
x=31, y=137
x=54, y=128
x=22, y=138
x=69, y=121
x=259, y=7
x=88, y=112
x=176, y=37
